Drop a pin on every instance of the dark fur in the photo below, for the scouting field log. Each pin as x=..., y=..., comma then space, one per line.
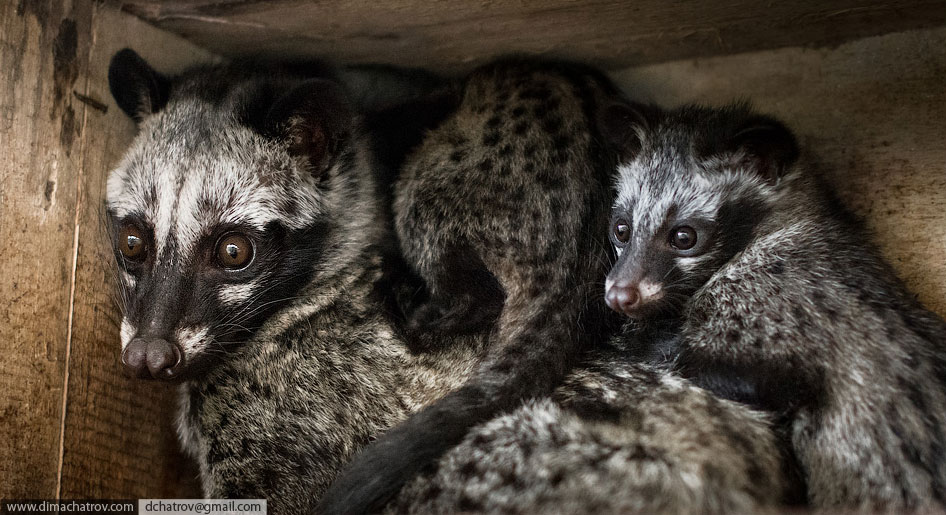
x=499, y=211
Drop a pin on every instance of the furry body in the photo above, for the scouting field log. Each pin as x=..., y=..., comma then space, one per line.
x=498, y=211
x=291, y=363
x=785, y=303
x=320, y=380
x=617, y=436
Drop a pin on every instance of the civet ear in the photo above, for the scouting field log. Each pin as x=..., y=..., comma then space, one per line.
x=138, y=89
x=315, y=119
x=624, y=125
x=767, y=147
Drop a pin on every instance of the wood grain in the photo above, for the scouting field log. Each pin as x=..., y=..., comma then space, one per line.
x=102, y=435
x=120, y=440
x=872, y=115
x=43, y=50
x=455, y=34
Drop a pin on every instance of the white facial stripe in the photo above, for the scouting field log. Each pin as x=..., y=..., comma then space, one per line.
x=187, y=187
x=236, y=293
x=689, y=263
x=650, y=186
x=628, y=176
x=650, y=291
x=127, y=332
x=193, y=340
x=162, y=214
x=125, y=196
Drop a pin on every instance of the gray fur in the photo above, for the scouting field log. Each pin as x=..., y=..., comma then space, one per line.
x=376, y=87
x=802, y=318
x=282, y=415
x=616, y=437
x=275, y=414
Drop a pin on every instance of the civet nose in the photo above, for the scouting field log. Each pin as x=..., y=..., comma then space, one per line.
x=152, y=358
x=623, y=298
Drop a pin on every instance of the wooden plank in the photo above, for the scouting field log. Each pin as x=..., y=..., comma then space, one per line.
x=43, y=50
x=119, y=436
x=872, y=113
x=453, y=34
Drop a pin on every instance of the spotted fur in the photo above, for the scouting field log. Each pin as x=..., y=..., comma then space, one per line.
x=616, y=437
x=499, y=212
x=786, y=305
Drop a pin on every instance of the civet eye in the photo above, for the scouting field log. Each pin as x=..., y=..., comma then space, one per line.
x=622, y=231
x=131, y=243
x=683, y=237
x=234, y=251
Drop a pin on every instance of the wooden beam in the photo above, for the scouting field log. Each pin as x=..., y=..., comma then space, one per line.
x=455, y=34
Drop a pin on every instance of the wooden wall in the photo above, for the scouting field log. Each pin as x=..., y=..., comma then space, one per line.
x=70, y=423
x=871, y=111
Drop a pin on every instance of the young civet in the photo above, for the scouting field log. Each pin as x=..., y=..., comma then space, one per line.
x=245, y=224
x=785, y=303
x=499, y=212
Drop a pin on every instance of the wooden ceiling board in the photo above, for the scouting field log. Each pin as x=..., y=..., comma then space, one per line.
x=456, y=34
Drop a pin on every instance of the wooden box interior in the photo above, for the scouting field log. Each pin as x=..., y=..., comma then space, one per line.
x=863, y=83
